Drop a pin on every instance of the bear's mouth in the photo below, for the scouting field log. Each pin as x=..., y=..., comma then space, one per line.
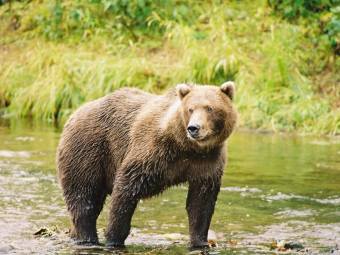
x=199, y=138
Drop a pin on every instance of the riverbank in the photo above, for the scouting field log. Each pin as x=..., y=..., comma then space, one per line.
x=286, y=81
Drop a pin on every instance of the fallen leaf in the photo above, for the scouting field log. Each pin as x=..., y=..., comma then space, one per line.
x=212, y=243
x=232, y=242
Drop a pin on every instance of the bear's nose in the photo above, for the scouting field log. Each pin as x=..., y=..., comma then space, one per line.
x=193, y=130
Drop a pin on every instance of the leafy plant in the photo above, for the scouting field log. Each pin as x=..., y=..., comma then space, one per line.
x=326, y=13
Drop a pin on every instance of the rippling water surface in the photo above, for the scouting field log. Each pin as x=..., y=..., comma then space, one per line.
x=276, y=187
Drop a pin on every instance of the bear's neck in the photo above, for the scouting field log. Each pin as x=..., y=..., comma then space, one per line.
x=171, y=123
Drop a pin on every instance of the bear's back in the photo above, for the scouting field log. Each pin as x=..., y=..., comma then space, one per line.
x=99, y=132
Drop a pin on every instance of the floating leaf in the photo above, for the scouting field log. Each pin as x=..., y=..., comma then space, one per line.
x=212, y=243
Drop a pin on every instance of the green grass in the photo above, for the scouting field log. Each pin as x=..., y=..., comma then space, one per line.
x=284, y=82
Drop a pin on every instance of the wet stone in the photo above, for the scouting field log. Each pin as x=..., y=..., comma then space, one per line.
x=6, y=249
x=293, y=246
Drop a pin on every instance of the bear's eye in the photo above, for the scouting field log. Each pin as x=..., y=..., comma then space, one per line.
x=209, y=109
x=190, y=110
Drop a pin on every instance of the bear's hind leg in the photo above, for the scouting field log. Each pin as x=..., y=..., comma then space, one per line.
x=85, y=209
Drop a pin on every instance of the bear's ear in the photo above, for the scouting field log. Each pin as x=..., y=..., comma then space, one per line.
x=228, y=88
x=182, y=90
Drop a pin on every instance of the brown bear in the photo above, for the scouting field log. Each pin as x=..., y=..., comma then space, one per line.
x=133, y=145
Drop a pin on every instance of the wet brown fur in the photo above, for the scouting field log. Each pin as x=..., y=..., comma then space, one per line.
x=134, y=145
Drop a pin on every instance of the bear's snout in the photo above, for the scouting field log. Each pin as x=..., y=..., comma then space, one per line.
x=193, y=130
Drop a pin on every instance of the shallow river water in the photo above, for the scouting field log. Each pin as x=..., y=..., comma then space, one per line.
x=276, y=188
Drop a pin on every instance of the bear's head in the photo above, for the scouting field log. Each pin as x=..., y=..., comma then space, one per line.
x=207, y=112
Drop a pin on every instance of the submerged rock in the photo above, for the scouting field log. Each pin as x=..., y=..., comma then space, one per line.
x=46, y=232
x=293, y=246
x=282, y=245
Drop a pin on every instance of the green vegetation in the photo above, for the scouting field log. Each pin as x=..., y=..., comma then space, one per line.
x=283, y=54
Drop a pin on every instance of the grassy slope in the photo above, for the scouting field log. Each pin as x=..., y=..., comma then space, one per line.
x=281, y=76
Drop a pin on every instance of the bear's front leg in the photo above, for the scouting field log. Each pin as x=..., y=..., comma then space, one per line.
x=200, y=206
x=132, y=184
x=122, y=209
